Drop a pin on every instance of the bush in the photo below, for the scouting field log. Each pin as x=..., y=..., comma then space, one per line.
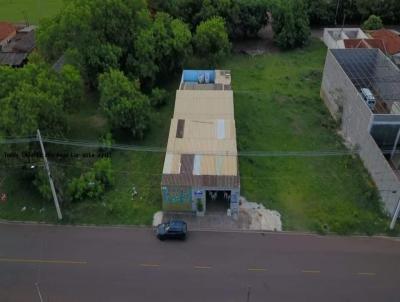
x=41, y=182
x=93, y=183
x=373, y=23
x=85, y=186
x=107, y=140
x=103, y=172
x=199, y=206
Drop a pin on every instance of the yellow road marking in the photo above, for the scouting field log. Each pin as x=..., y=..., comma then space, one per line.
x=256, y=269
x=310, y=271
x=17, y=260
x=366, y=274
x=149, y=265
x=202, y=267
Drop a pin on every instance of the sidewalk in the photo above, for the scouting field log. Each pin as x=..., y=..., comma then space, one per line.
x=215, y=221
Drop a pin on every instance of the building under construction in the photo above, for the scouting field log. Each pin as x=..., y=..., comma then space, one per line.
x=201, y=166
x=361, y=88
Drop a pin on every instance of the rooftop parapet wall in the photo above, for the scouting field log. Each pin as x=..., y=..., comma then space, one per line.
x=334, y=37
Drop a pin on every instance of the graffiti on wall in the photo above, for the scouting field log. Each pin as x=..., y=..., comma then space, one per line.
x=177, y=195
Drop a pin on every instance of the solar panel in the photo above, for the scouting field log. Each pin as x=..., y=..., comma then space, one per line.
x=370, y=68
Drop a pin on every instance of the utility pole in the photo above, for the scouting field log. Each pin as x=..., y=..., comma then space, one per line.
x=248, y=293
x=337, y=11
x=46, y=165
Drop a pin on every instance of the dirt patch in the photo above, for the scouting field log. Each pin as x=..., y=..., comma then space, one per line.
x=263, y=43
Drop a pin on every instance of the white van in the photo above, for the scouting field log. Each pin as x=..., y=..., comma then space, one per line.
x=368, y=97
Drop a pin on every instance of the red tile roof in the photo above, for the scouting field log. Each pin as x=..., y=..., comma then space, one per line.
x=6, y=30
x=365, y=43
x=391, y=40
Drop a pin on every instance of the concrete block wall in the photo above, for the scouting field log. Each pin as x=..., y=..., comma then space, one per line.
x=330, y=42
x=342, y=34
x=344, y=102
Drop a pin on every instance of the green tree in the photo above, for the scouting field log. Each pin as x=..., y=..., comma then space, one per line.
x=248, y=17
x=186, y=10
x=99, y=33
x=162, y=48
x=34, y=100
x=373, y=23
x=211, y=40
x=158, y=97
x=36, y=97
x=291, y=24
x=242, y=17
x=72, y=87
x=387, y=10
x=125, y=106
x=321, y=12
x=216, y=8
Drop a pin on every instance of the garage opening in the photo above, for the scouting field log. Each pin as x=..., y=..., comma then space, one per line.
x=218, y=201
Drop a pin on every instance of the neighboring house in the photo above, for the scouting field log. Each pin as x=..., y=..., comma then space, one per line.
x=201, y=164
x=392, y=42
x=335, y=37
x=17, y=49
x=361, y=88
x=7, y=31
x=365, y=43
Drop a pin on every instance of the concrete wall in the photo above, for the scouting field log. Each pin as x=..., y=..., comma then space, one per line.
x=345, y=103
x=341, y=35
x=330, y=42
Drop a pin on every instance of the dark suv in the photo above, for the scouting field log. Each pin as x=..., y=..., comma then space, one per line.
x=176, y=229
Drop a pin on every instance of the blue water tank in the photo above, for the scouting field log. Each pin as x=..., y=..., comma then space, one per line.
x=199, y=76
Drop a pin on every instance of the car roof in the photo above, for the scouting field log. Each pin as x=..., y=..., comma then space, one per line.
x=176, y=223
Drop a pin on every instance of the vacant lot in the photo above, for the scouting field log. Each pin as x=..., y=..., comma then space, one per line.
x=30, y=11
x=138, y=170
x=278, y=108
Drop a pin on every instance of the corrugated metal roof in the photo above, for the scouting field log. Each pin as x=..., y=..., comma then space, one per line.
x=220, y=129
x=202, y=148
x=205, y=104
x=202, y=137
x=12, y=58
x=200, y=180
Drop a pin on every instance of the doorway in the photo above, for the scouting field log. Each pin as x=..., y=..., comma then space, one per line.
x=218, y=200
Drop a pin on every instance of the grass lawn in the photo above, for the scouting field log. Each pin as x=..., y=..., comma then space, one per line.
x=28, y=10
x=278, y=108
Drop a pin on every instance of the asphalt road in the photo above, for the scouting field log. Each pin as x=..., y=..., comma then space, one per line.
x=61, y=263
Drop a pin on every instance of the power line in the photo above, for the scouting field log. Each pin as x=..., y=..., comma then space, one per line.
x=154, y=149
